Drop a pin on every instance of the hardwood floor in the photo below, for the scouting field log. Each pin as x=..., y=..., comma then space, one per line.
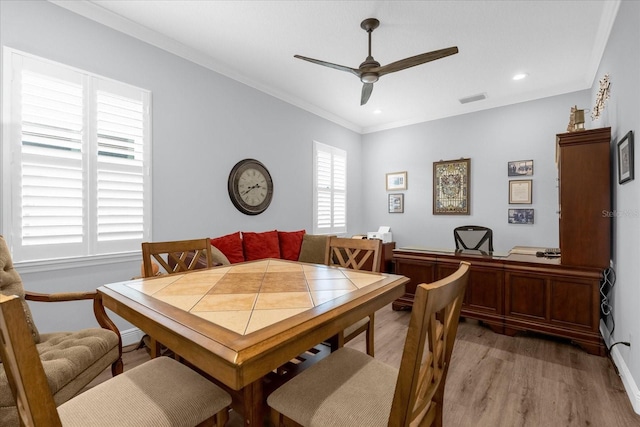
x=501, y=381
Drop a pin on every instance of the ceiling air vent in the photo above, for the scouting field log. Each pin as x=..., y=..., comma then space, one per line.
x=473, y=98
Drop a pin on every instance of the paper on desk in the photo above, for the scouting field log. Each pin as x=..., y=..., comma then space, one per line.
x=384, y=229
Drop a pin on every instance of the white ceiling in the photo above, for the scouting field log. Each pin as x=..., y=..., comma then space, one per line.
x=558, y=43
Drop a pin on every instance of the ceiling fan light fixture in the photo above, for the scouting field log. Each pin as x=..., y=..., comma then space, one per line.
x=369, y=77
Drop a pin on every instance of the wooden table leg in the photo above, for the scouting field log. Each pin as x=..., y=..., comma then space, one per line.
x=253, y=404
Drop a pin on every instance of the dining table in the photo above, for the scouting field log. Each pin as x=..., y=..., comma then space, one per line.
x=239, y=323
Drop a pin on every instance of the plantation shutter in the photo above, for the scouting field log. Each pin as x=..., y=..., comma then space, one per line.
x=78, y=162
x=330, y=189
x=120, y=168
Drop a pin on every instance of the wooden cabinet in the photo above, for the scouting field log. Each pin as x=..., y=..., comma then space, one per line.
x=419, y=269
x=584, y=176
x=483, y=299
x=516, y=292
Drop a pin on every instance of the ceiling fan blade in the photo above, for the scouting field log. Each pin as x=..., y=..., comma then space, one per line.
x=415, y=60
x=367, y=88
x=330, y=65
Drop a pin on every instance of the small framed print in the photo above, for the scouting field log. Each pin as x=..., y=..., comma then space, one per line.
x=396, y=203
x=520, y=168
x=625, y=158
x=396, y=181
x=520, y=216
x=520, y=191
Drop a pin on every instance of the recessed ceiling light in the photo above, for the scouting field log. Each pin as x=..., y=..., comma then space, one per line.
x=377, y=111
x=520, y=76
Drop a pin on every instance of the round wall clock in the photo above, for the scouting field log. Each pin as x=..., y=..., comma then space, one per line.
x=250, y=187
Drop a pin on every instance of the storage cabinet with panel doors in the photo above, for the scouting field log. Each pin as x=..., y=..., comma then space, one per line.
x=515, y=292
x=584, y=193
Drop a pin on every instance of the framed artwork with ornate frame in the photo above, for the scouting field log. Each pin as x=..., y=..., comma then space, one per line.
x=451, y=184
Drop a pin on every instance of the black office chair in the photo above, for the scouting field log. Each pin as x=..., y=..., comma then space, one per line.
x=473, y=237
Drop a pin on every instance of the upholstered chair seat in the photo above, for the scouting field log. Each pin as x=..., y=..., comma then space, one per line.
x=159, y=393
x=330, y=402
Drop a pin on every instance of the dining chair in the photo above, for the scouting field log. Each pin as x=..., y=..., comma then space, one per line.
x=473, y=237
x=71, y=358
x=174, y=257
x=356, y=254
x=161, y=392
x=350, y=388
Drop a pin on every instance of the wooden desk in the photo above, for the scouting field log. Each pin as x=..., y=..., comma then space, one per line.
x=513, y=292
x=238, y=323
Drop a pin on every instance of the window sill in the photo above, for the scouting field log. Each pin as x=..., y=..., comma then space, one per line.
x=75, y=262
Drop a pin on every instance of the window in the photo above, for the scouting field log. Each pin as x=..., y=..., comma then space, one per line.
x=76, y=157
x=330, y=189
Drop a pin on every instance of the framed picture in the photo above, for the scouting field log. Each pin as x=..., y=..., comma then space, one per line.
x=520, y=216
x=451, y=187
x=396, y=203
x=520, y=168
x=625, y=158
x=396, y=181
x=520, y=191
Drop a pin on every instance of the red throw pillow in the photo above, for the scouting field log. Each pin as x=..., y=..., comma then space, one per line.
x=231, y=246
x=261, y=245
x=290, y=244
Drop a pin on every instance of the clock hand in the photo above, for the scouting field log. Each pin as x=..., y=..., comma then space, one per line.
x=250, y=188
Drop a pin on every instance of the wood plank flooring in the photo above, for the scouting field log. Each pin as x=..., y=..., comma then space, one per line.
x=501, y=381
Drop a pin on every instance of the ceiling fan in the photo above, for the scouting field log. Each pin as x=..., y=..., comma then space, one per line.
x=370, y=70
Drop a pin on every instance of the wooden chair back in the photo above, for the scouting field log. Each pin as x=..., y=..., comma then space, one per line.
x=419, y=392
x=177, y=256
x=23, y=367
x=357, y=254
x=474, y=237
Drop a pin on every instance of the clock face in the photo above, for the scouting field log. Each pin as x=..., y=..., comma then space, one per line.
x=250, y=187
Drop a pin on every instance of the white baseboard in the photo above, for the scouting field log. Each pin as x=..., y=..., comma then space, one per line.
x=627, y=380
x=131, y=336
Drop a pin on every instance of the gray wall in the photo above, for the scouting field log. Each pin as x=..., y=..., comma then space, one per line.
x=622, y=112
x=203, y=123
x=490, y=138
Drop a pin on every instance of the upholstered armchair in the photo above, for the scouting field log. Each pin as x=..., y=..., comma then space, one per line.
x=71, y=360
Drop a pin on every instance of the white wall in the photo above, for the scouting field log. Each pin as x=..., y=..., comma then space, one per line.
x=622, y=112
x=491, y=139
x=203, y=123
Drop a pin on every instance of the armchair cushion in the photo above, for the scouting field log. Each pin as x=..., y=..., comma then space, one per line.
x=231, y=246
x=11, y=284
x=290, y=244
x=261, y=245
x=70, y=360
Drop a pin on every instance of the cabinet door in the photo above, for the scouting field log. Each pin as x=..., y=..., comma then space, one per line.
x=575, y=303
x=553, y=301
x=527, y=296
x=484, y=289
x=585, y=197
x=418, y=272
